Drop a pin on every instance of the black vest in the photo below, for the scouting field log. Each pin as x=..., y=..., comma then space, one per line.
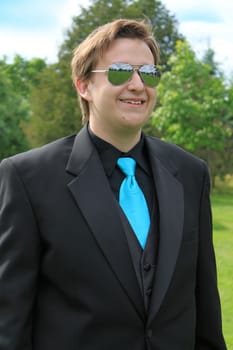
x=144, y=261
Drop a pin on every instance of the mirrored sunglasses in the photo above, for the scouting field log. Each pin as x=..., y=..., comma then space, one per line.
x=121, y=73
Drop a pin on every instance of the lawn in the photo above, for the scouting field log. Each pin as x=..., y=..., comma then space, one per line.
x=222, y=206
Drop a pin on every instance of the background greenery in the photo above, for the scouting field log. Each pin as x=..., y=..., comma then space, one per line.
x=222, y=205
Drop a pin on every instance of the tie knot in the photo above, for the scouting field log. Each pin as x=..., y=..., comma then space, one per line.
x=127, y=165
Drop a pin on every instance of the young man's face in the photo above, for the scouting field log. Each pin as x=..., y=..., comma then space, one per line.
x=123, y=108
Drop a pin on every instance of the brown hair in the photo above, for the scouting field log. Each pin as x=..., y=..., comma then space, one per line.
x=86, y=55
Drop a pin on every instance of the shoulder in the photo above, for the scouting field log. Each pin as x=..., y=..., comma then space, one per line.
x=53, y=150
x=177, y=159
x=49, y=158
x=167, y=151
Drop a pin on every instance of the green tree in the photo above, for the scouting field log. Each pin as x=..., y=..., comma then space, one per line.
x=54, y=108
x=223, y=160
x=24, y=73
x=209, y=59
x=19, y=78
x=192, y=105
x=13, y=110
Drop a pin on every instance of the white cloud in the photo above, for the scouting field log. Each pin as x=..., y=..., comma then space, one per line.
x=29, y=44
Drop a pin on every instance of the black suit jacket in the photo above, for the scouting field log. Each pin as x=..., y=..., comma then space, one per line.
x=67, y=281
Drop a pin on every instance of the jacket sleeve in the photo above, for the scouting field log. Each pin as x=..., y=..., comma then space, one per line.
x=209, y=325
x=19, y=260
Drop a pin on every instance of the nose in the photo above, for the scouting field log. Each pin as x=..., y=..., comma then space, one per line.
x=136, y=82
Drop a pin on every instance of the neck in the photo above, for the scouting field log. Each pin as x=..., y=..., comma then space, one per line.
x=124, y=140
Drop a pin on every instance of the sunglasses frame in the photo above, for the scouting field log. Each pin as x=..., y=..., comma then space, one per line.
x=130, y=68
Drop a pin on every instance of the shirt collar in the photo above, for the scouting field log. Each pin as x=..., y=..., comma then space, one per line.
x=110, y=154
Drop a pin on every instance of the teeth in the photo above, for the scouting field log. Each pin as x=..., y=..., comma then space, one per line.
x=134, y=102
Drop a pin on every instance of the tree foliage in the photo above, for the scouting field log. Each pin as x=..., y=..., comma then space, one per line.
x=17, y=81
x=223, y=163
x=193, y=105
x=23, y=73
x=54, y=108
x=209, y=59
x=13, y=110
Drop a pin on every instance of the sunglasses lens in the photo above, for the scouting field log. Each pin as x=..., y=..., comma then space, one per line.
x=119, y=73
x=150, y=75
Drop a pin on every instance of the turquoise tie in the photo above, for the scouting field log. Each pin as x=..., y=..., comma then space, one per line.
x=132, y=200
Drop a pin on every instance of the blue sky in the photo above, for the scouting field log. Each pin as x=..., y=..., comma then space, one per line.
x=36, y=28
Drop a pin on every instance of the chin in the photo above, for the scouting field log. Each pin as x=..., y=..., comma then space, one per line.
x=134, y=121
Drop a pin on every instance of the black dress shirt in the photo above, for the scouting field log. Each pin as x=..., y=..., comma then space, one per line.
x=109, y=156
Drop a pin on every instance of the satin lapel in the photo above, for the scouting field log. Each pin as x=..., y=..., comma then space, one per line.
x=171, y=217
x=92, y=193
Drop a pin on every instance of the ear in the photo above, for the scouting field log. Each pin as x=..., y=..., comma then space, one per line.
x=82, y=87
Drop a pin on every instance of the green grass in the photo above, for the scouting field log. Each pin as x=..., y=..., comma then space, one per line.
x=222, y=207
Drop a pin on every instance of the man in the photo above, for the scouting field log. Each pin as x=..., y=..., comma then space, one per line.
x=73, y=273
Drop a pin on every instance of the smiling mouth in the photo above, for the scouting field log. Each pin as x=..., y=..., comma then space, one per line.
x=133, y=102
